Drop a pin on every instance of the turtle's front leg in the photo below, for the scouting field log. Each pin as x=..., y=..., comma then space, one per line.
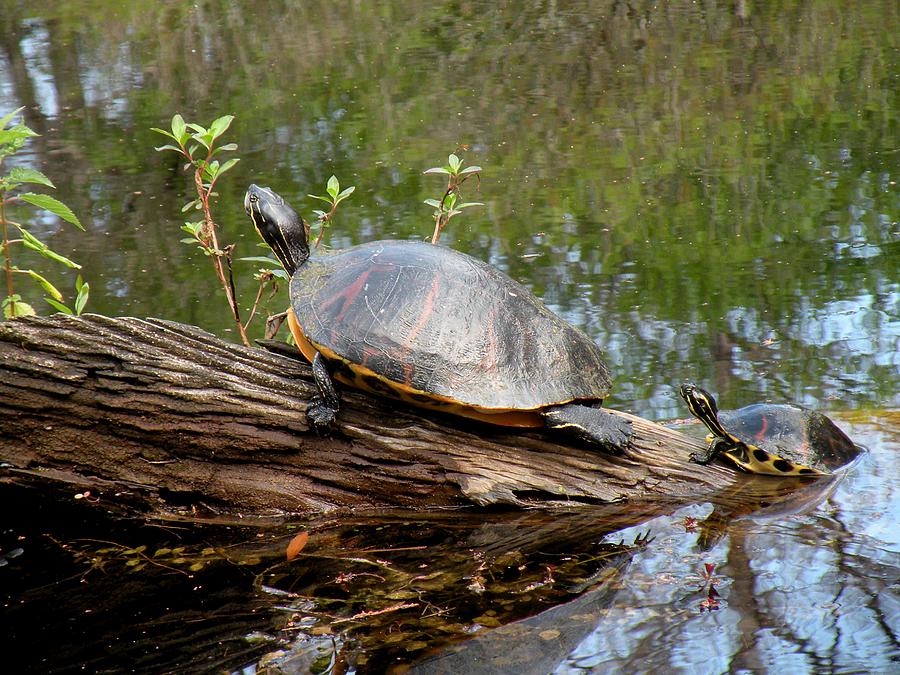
x=716, y=446
x=323, y=408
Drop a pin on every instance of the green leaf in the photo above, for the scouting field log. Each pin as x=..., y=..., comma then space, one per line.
x=211, y=170
x=261, y=259
x=201, y=139
x=179, y=132
x=13, y=307
x=470, y=169
x=454, y=162
x=188, y=240
x=324, y=199
x=468, y=204
x=59, y=306
x=53, y=205
x=433, y=202
x=5, y=120
x=223, y=148
x=346, y=193
x=164, y=133
x=192, y=228
x=47, y=286
x=84, y=290
x=161, y=148
x=191, y=204
x=227, y=165
x=281, y=274
x=220, y=126
x=32, y=242
x=196, y=127
x=437, y=169
x=333, y=187
x=12, y=139
x=21, y=174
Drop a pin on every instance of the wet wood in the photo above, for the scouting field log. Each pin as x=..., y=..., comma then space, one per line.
x=152, y=407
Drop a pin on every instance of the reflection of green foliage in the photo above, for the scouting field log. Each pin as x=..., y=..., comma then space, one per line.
x=653, y=167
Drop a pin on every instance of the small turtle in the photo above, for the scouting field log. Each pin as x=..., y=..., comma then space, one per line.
x=437, y=329
x=774, y=439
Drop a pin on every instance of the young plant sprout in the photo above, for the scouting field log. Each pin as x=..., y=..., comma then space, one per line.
x=449, y=204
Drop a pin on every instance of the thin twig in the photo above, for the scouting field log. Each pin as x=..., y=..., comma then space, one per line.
x=8, y=255
x=211, y=242
x=324, y=219
x=376, y=612
x=259, y=293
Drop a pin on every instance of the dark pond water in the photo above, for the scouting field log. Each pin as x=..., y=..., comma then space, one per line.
x=708, y=189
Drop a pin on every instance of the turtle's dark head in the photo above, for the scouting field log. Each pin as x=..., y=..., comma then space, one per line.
x=279, y=226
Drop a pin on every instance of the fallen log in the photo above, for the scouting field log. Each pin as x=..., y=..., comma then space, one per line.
x=170, y=411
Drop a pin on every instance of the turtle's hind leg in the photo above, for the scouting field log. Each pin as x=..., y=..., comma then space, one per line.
x=594, y=426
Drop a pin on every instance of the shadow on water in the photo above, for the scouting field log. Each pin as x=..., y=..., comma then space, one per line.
x=370, y=591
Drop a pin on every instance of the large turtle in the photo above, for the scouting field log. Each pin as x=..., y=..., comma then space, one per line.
x=770, y=438
x=438, y=329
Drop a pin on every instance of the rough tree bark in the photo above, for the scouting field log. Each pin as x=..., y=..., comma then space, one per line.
x=169, y=411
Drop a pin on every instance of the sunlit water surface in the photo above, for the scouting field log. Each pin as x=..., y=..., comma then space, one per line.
x=808, y=592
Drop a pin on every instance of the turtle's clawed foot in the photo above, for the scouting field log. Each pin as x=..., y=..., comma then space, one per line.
x=621, y=431
x=320, y=415
x=323, y=407
x=706, y=456
x=593, y=426
x=699, y=458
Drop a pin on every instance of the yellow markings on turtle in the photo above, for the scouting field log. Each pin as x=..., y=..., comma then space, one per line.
x=569, y=425
x=360, y=377
x=757, y=460
x=303, y=344
x=745, y=455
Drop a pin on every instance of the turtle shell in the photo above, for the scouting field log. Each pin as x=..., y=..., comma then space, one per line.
x=440, y=327
x=788, y=432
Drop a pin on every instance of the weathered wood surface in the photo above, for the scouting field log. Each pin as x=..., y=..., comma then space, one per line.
x=169, y=410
